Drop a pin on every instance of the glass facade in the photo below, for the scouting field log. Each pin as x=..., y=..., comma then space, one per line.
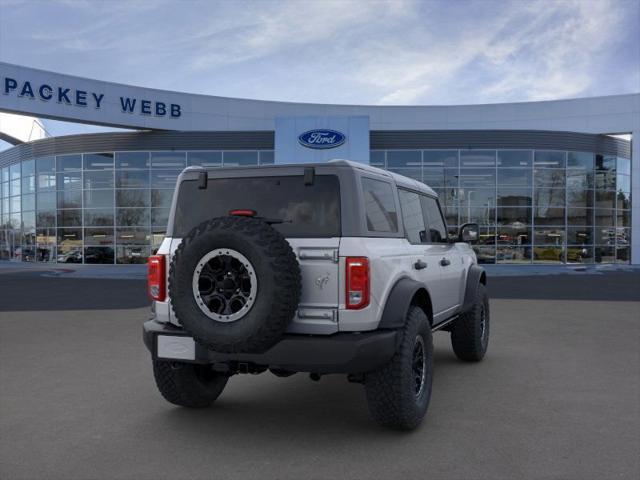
x=533, y=206
x=105, y=207
x=540, y=206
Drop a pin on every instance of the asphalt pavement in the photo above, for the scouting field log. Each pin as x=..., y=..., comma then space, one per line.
x=557, y=397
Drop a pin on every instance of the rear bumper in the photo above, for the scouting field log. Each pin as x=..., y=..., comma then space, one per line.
x=337, y=353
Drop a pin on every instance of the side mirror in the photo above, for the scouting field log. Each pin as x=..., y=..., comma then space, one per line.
x=469, y=233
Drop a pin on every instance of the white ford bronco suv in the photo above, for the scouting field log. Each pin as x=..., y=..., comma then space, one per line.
x=324, y=268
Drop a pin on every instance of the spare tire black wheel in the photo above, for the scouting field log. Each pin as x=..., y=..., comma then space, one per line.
x=234, y=284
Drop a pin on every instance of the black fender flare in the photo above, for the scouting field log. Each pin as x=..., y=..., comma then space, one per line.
x=398, y=303
x=475, y=276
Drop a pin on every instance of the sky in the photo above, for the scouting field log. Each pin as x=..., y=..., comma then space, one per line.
x=395, y=52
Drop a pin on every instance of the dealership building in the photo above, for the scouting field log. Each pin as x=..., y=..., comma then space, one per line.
x=548, y=182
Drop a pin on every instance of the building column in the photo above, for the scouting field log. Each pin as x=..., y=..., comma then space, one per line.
x=635, y=197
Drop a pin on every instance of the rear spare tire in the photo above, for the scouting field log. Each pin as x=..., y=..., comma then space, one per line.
x=234, y=284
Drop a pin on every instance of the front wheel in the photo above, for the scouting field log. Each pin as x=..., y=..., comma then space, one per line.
x=398, y=394
x=470, y=332
x=188, y=385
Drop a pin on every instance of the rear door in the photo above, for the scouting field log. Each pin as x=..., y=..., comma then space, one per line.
x=449, y=262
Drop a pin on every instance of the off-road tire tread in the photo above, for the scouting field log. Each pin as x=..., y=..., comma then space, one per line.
x=466, y=331
x=181, y=386
x=288, y=282
x=390, y=402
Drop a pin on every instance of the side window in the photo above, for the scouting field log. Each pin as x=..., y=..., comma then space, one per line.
x=380, y=206
x=412, y=217
x=433, y=219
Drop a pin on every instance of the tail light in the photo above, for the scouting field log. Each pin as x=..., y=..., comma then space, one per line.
x=357, y=283
x=156, y=277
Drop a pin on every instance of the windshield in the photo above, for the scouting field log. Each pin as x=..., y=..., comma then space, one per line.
x=304, y=210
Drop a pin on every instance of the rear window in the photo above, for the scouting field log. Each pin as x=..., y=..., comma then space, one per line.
x=306, y=210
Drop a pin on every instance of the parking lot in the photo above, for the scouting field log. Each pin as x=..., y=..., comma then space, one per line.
x=558, y=395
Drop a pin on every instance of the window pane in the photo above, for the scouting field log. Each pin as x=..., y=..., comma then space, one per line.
x=549, y=178
x=15, y=205
x=412, y=217
x=132, y=159
x=578, y=197
x=485, y=197
x=4, y=174
x=605, y=163
x=46, y=182
x=28, y=167
x=514, y=176
x=376, y=158
x=548, y=254
x=623, y=166
x=14, y=187
x=480, y=215
x=132, y=254
x=206, y=159
x=70, y=199
x=437, y=232
x=231, y=159
x=14, y=171
x=514, y=216
x=46, y=219
x=70, y=180
x=98, y=217
x=29, y=221
x=623, y=183
x=582, y=160
x=513, y=255
x=29, y=202
x=414, y=173
x=98, y=198
x=161, y=198
x=69, y=162
x=69, y=237
x=546, y=197
x=605, y=235
x=132, y=198
x=134, y=217
x=132, y=179
x=266, y=157
x=514, y=234
x=168, y=160
x=477, y=158
x=605, y=254
x=132, y=236
x=548, y=216
x=623, y=200
x=605, y=199
x=46, y=165
x=70, y=253
x=46, y=201
x=98, y=161
x=70, y=218
x=98, y=236
x=605, y=217
x=623, y=254
x=549, y=159
x=440, y=158
x=580, y=235
x=160, y=217
x=164, y=178
x=477, y=177
x=98, y=179
x=579, y=216
x=485, y=253
x=515, y=158
x=579, y=254
x=517, y=197
x=98, y=255
x=549, y=236
x=624, y=218
x=404, y=158
x=380, y=206
x=579, y=178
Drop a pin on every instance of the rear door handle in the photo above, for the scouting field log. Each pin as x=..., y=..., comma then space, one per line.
x=445, y=261
x=419, y=265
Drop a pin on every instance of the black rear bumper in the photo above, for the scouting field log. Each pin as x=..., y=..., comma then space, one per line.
x=337, y=353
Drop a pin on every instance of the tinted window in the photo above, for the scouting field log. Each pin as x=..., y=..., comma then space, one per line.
x=412, y=216
x=305, y=210
x=379, y=206
x=433, y=219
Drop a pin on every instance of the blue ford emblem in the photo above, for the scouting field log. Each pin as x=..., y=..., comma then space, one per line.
x=322, y=138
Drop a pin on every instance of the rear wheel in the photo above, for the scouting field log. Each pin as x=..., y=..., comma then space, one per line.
x=187, y=384
x=398, y=394
x=470, y=332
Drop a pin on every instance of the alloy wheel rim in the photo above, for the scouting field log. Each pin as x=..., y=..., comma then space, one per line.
x=224, y=285
x=419, y=366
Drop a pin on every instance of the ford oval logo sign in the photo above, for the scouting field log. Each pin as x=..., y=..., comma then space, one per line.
x=322, y=138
